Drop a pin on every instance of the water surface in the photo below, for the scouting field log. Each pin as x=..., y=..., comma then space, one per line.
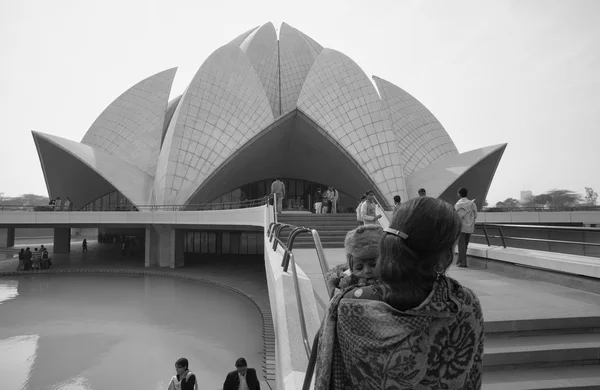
x=120, y=332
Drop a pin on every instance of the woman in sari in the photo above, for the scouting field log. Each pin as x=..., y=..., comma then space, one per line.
x=418, y=328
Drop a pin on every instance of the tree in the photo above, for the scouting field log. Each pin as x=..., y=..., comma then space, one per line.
x=591, y=197
x=508, y=203
x=542, y=200
x=563, y=198
x=485, y=203
x=24, y=200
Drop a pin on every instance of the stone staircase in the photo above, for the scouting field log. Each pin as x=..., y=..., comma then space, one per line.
x=559, y=353
x=332, y=228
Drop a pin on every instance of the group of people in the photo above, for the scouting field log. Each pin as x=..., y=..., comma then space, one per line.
x=326, y=203
x=418, y=327
x=60, y=205
x=36, y=260
x=242, y=378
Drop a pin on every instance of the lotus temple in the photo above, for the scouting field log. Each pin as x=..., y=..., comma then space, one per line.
x=260, y=106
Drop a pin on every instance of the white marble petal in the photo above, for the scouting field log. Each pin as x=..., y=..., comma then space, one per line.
x=297, y=55
x=131, y=181
x=435, y=178
x=262, y=51
x=422, y=140
x=342, y=100
x=224, y=106
x=131, y=127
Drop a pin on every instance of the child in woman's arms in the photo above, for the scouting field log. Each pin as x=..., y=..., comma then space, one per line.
x=362, y=250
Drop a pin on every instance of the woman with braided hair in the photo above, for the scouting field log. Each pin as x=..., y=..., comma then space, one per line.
x=417, y=328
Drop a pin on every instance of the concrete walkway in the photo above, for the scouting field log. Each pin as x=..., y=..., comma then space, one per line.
x=502, y=298
x=246, y=274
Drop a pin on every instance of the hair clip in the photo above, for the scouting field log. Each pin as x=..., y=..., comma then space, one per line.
x=396, y=233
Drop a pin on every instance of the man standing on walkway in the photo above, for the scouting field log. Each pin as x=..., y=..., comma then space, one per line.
x=278, y=188
x=467, y=210
x=243, y=378
x=422, y=192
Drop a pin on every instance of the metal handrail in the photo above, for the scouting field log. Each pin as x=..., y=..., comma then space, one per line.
x=540, y=227
x=273, y=233
x=504, y=238
x=539, y=209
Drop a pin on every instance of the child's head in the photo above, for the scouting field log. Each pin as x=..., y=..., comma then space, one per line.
x=362, y=250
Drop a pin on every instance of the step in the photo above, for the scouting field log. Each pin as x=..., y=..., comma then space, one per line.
x=311, y=245
x=584, y=377
x=547, y=350
x=541, y=326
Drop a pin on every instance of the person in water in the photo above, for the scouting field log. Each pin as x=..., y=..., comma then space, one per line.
x=184, y=380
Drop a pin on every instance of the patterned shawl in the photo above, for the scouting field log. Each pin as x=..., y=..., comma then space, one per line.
x=366, y=344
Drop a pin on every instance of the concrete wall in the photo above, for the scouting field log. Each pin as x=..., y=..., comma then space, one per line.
x=557, y=262
x=160, y=246
x=7, y=238
x=244, y=217
x=544, y=234
x=289, y=348
x=541, y=217
x=62, y=240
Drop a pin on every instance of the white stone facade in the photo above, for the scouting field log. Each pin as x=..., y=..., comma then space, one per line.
x=169, y=149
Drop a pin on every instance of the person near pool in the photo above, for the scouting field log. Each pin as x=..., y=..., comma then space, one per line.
x=243, y=378
x=184, y=379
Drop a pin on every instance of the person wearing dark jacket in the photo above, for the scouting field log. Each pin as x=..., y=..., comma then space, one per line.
x=242, y=378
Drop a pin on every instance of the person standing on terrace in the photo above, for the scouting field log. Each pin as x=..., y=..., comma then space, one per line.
x=467, y=210
x=278, y=188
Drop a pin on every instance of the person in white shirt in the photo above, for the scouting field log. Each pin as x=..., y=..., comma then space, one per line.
x=467, y=210
x=368, y=210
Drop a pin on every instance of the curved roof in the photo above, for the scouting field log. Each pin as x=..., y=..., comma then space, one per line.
x=449, y=172
x=296, y=56
x=341, y=99
x=130, y=128
x=83, y=172
x=418, y=132
x=259, y=107
x=223, y=107
x=262, y=52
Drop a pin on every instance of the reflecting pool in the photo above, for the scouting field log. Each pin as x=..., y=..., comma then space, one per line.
x=120, y=332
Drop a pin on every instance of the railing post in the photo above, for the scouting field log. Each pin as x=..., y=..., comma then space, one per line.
x=487, y=239
x=275, y=207
x=502, y=237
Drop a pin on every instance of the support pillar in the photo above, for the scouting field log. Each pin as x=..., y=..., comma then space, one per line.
x=179, y=247
x=7, y=237
x=160, y=246
x=62, y=240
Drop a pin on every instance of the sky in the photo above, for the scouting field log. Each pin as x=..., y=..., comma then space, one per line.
x=521, y=72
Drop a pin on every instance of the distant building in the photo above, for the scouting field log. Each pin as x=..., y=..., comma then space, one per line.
x=525, y=195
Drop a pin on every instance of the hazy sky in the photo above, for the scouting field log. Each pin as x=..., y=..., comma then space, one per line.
x=522, y=72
